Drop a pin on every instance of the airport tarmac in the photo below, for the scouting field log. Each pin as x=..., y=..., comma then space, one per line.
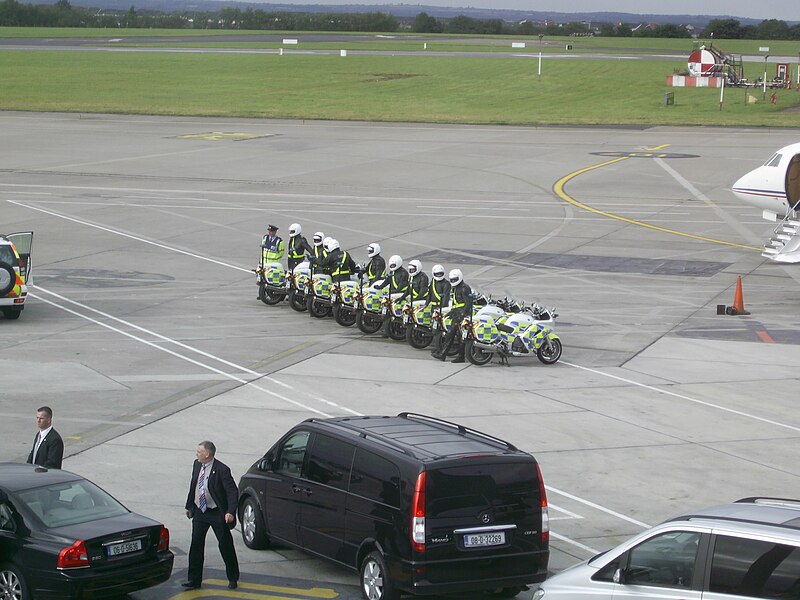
x=144, y=333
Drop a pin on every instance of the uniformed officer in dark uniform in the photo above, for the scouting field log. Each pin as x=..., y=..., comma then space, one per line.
x=298, y=246
x=461, y=306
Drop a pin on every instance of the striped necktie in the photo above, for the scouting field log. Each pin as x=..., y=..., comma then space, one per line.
x=201, y=486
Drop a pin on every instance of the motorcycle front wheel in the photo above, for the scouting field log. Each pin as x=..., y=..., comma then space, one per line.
x=297, y=301
x=397, y=330
x=317, y=309
x=549, y=353
x=346, y=317
x=368, y=322
x=270, y=297
x=454, y=348
x=418, y=338
x=476, y=355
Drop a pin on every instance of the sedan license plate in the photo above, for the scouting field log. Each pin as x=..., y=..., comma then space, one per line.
x=478, y=540
x=125, y=548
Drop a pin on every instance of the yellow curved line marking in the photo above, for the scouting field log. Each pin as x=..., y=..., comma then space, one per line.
x=558, y=188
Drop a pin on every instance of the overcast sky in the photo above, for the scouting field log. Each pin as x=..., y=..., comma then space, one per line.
x=760, y=9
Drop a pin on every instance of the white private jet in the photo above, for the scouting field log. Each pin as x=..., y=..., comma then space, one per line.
x=774, y=187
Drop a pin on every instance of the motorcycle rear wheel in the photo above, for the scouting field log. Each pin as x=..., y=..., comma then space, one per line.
x=397, y=330
x=297, y=301
x=368, y=322
x=549, y=354
x=346, y=317
x=476, y=355
x=418, y=338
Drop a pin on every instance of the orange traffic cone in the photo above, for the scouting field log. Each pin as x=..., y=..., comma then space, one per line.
x=738, y=300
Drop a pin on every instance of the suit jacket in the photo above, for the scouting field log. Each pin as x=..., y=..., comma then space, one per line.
x=221, y=486
x=51, y=451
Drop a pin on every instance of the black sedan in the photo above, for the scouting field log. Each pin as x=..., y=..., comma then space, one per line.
x=61, y=536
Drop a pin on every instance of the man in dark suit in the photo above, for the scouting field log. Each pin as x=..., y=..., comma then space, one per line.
x=48, y=447
x=211, y=503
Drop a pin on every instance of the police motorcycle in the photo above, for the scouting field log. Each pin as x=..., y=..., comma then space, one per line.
x=345, y=298
x=526, y=333
x=271, y=280
x=369, y=306
x=396, y=310
x=419, y=325
x=319, y=298
x=297, y=284
x=441, y=321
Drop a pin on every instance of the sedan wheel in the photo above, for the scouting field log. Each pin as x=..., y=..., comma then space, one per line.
x=12, y=586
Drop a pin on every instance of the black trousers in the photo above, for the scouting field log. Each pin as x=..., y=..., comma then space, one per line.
x=450, y=336
x=293, y=262
x=215, y=519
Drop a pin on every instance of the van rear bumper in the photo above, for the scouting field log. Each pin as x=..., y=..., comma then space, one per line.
x=469, y=575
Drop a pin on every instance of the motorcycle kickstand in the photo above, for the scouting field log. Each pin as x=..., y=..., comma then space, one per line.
x=504, y=360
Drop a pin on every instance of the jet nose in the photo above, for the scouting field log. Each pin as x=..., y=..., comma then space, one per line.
x=750, y=186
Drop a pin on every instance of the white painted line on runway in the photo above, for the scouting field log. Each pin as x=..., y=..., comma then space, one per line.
x=613, y=513
x=687, y=398
x=569, y=514
x=574, y=543
x=128, y=235
x=724, y=215
x=181, y=356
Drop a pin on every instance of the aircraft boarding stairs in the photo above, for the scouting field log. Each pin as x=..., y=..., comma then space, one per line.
x=784, y=245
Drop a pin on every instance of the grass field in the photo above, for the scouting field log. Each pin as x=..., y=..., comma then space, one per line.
x=455, y=89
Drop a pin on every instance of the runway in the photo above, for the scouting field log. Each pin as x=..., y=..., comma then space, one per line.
x=145, y=336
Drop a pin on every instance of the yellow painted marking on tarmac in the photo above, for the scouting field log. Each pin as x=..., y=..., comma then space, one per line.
x=254, y=591
x=558, y=188
x=661, y=147
x=73, y=437
x=215, y=136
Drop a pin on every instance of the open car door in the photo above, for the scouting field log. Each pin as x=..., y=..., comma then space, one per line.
x=23, y=242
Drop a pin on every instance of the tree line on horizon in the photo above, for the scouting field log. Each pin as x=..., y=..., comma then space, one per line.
x=62, y=14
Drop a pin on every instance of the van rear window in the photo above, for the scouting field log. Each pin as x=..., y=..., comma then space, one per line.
x=460, y=491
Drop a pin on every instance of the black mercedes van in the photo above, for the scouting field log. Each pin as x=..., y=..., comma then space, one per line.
x=414, y=503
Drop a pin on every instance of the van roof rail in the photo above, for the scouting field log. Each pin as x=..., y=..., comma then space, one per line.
x=784, y=502
x=375, y=437
x=460, y=429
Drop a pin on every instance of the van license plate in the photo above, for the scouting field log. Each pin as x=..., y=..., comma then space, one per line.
x=124, y=548
x=476, y=540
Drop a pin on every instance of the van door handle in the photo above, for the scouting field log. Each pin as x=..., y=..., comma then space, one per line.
x=296, y=489
x=308, y=491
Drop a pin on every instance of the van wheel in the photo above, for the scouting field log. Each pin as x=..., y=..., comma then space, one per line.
x=253, y=531
x=12, y=313
x=375, y=582
x=12, y=584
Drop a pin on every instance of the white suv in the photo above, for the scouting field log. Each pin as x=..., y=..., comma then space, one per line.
x=15, y=272
x=749, y=548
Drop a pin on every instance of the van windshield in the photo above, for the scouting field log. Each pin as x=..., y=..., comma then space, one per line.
x=507, y=489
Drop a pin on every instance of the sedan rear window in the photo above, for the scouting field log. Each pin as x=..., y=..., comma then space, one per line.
x=70, y=503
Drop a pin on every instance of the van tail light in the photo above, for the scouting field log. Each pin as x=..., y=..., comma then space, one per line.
x=73, y=557
x=545, y=515
x=163, y=540
x=418, y=515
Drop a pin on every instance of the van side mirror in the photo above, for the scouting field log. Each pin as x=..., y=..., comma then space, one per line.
x=265, y=464
x=619, y=576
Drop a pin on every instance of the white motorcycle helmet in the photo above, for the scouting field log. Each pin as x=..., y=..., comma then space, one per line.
x=437, y=272
x=395, y=262
x=333, y=245
x=318, y=238
x=326, y=243
x=414, y=267
x=455, y=277
x=295, y=229
x=373, y=249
